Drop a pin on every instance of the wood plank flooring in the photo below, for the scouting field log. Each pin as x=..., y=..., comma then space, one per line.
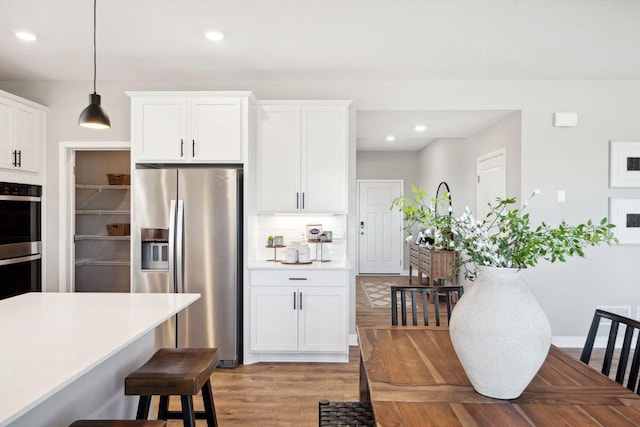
x=287, y=394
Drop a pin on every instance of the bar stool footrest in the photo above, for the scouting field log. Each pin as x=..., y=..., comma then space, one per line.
x=177, y=415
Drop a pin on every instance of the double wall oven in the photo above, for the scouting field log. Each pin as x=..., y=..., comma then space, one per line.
x=20, y=239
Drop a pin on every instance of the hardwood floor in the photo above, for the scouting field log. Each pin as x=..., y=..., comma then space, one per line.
x=287, y=394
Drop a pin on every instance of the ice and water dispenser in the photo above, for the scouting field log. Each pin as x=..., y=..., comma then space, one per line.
x=155, y=248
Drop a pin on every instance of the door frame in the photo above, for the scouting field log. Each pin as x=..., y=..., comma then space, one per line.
x=66, y=207
x=502, y=151
x=401, y=231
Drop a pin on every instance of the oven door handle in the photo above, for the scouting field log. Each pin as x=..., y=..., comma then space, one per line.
x=10, y=198
x=20, y=259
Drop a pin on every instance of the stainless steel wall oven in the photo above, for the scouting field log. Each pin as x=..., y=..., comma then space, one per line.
x=20, y=239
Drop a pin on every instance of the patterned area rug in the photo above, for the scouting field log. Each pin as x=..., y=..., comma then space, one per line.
x=378, y=293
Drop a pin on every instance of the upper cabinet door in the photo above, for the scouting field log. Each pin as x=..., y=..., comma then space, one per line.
x=278, y=159
x=27, y=138
x=158, y=128
x=6, y=134
x=216, y=129
x=324, y=158
x=22, y=136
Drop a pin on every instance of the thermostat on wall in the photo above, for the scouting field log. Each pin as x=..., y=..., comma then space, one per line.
x=565, y=119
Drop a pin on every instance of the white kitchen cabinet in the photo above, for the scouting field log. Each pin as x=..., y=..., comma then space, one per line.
x=189, y=127
x=298, y=315
x=22, y=134
x=302, y=156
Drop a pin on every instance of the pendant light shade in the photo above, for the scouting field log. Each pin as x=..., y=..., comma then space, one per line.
x=94, y=117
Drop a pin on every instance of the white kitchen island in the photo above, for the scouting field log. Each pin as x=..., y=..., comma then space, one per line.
x=64, y=356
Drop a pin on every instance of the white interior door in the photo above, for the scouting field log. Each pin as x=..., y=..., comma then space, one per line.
x=492, y=180
x=379, y=228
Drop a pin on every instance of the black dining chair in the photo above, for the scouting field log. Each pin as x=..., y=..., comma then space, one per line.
x=630, y=328
x=422, y=294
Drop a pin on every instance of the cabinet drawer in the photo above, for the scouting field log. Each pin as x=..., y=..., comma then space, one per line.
x=299, y=278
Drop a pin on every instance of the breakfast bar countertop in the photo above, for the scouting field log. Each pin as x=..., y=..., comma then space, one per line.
x=51, y=340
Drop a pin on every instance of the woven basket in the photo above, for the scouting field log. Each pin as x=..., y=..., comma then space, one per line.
x=119, y=229
x=119, y=178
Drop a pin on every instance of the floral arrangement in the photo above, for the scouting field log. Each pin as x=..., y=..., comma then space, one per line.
x=504, y=238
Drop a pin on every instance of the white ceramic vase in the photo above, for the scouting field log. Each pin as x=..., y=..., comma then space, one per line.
x=500, y=333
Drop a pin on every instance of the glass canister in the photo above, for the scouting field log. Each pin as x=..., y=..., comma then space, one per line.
x=291, y=256
x=303, y=253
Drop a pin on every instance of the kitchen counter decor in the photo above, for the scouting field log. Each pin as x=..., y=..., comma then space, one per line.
x=498, y=329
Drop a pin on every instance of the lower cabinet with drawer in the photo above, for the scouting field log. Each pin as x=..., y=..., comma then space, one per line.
x=298, y=315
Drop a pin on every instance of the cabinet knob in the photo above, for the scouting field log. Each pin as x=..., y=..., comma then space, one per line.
x=182, y=148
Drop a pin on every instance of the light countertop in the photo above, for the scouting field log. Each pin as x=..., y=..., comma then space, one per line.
x=271, y=265
x=51, y=339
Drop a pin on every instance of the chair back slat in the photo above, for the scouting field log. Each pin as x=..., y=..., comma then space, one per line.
x=632, y=384
x=624, y=355
x=611, y=343
x=425, y=312
x=631, y=328
x=422, y=294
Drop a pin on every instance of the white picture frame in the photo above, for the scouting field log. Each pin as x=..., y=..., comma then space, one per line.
x=625, y=214
x=624, y=164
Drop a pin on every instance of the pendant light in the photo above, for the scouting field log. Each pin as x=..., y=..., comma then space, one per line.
x=93, y=116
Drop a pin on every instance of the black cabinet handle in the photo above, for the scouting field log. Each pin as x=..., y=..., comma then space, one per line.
x=297, y=278
x=294, y=300
x=302, y=200
x=297, y=200
x=193, y=147
x=20, y=158
x=300, y=300
x=15, y=158
x=181, y=147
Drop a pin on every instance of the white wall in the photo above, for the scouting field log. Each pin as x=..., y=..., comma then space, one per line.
x=454, y=161
x=504, y=134
x=571, y=159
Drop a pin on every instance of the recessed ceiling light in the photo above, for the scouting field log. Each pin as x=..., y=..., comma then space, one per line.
x=391, y=138
x=26, y=36
x=419, y=128
x=215, y=36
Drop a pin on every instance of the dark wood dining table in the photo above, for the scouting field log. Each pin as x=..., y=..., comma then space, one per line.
x=412, y=377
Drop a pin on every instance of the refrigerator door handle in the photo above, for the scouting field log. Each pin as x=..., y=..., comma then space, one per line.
x=172, y=243
x=180, y=247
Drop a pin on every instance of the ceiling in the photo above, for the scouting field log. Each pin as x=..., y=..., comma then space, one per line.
x=305, y=40
x=372, y=127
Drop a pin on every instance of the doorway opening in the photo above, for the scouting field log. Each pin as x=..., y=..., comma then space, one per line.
x=94, y=212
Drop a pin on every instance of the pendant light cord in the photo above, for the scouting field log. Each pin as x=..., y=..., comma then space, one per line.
x=94, y=46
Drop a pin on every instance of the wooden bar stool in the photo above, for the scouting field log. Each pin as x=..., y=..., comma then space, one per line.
x=176, y=372
x=119, y=423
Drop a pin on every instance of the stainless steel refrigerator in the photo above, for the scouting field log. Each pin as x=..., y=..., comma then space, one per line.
x=187, y=233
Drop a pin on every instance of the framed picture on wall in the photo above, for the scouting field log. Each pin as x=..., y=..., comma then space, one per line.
x=624, y=164
x=625, y=214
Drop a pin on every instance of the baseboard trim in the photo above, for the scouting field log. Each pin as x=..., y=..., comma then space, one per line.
x=578, y=342
x=353, y=340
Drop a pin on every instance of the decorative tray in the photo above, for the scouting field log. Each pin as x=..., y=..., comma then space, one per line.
x=297, y=262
